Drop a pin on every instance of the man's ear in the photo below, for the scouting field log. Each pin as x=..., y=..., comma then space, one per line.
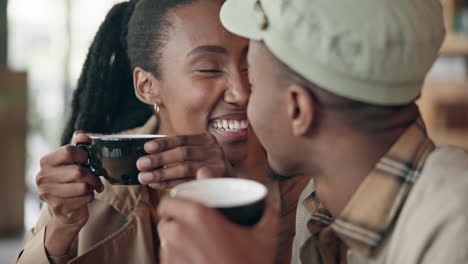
x=147, y=87
x=301, y=110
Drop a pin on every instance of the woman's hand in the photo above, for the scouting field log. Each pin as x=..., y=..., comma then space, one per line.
x=174, y=160
x=67, y=188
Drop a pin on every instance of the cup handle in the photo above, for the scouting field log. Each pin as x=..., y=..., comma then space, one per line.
x=91, y=165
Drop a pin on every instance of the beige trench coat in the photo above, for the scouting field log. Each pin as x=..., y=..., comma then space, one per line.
x=121, y=229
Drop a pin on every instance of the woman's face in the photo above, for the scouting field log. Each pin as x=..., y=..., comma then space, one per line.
x=204, y=84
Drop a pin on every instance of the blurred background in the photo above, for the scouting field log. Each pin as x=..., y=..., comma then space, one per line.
x=43, y=44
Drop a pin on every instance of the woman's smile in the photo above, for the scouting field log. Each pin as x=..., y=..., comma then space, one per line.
x=230, y=128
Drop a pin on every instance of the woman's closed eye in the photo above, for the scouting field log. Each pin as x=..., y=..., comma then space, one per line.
x=206, y=67
x=209, y=70
x=209, y=73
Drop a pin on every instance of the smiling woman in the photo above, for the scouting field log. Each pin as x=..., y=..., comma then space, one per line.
x=201, y=79
x=175, y=57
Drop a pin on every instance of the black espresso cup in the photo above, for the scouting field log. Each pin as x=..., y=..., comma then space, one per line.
x=114, y=157
x=242, y=201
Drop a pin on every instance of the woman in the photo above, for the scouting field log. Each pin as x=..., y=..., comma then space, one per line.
x=194, y=74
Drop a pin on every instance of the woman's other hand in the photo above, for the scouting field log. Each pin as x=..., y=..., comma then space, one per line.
x=67, y=188
x=177, y=159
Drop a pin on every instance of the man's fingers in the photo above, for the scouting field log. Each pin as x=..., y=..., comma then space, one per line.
x=173, y=237
x=206, y=173
x=168, y=231
x=171, y=242
x=163, y=144
x=168, y=184
x=183, y=210
x=270, y=220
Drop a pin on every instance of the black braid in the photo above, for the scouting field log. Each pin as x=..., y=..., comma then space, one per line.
x=132, y=35
x=149, y=24
x=104, y=100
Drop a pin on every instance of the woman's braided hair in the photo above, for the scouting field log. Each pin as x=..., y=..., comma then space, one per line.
x=131, y=35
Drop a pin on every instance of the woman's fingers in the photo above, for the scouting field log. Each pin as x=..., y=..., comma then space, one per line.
x=68, y=154
x=68, y=174
x=178, y=155
x=176, y=159
x=65, y=155
x=79, y=136
x=163, y=144
x=175, y=172
x=180, y=171
x=66, y=190
x=206, y=173
x=65, y=186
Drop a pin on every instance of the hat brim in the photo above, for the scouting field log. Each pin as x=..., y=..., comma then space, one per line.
x=240, y=18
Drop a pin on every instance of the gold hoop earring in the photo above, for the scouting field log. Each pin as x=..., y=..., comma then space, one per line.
x=156, y=108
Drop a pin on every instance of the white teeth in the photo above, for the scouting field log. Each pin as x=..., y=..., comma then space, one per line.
x=236, y=125
x=230, y=125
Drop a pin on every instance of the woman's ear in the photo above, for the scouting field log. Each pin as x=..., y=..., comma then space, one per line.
x=147, y=88
x=302, y=110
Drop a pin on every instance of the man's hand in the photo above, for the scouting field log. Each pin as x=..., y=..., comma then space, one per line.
x=192, y=233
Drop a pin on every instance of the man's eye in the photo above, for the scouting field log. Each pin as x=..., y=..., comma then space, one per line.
x=209, y=71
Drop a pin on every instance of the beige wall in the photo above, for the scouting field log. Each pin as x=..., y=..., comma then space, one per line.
x=13, y=98
x=444, y=106
x=3, y=32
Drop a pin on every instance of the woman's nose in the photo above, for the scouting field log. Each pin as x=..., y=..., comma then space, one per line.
x=238, y=91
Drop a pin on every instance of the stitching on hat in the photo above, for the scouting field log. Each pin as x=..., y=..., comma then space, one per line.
x=263, y=19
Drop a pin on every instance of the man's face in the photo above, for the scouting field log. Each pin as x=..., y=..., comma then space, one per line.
x=267, y=109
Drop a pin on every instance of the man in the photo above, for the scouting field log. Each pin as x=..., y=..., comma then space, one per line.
x=333, y=91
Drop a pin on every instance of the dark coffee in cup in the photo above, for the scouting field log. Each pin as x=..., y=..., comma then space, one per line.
x=114, y=157
x=242, y=201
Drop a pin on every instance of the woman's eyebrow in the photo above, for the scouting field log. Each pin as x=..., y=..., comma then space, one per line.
x=208, y=48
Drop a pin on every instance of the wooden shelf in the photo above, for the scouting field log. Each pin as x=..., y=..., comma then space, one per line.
x=455, y=44
x=444, y=108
